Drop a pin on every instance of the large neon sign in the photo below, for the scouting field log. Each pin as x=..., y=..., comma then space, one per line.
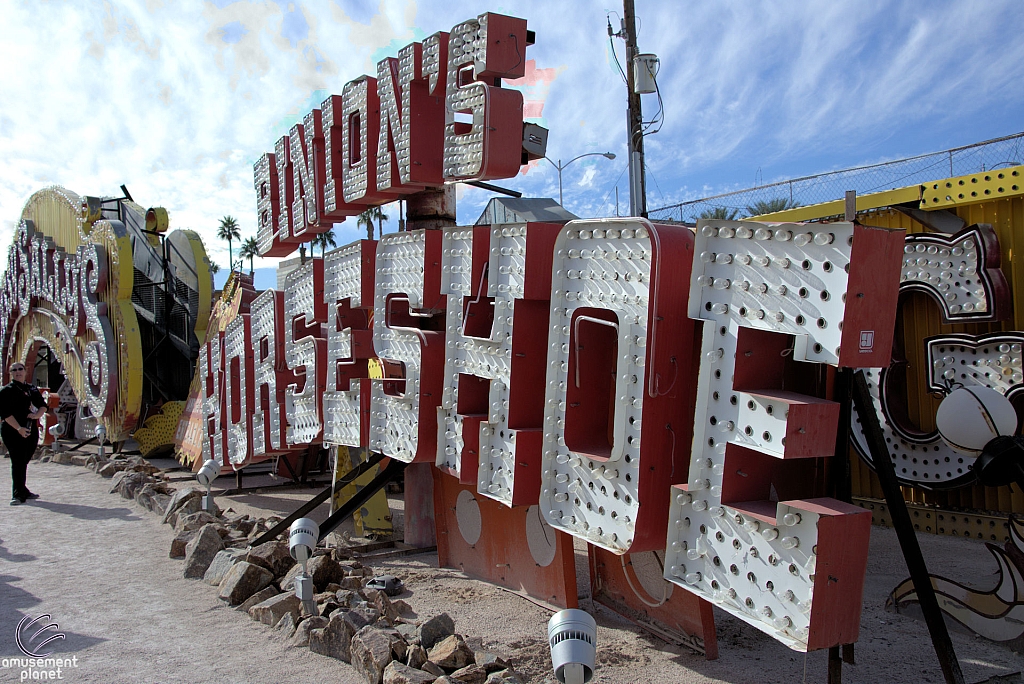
x=437, y=113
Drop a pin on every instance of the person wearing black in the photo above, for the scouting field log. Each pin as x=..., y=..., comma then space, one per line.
x=21, y=405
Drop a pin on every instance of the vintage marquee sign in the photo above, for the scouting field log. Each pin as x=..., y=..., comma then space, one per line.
x=70, y=280
x=436, y=113
x=593, y=380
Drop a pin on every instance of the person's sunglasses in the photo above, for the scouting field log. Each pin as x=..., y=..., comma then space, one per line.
x=16, y=370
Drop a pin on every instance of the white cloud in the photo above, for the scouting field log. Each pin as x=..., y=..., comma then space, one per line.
x=177, y=100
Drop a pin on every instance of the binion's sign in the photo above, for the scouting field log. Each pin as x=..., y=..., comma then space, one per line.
x=435, y=113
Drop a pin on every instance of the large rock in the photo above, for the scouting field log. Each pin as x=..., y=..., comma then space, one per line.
x=410, y=632
x=220, y=565
x=242, y=581
x=61, y=457
x=324, y=570
x=399, y=648
x=346, y=598
x=243, y=523
x=505, y=677
x=200, y=552
x=436, y=629
x=334, y=640
x=302, y=632
x=397, y=673
x=287, y=582
x=188, y=508
x=141, y=465
x=258, y=598
x=273, y=556
x=110, y=468
x=432, y=668
x=153, y=497
x=179, y=543
x=194, y=521
x=179, y=499
x=352, y=583
x=273, y=609
x=416, y=656
x=471, y=674
x=361, y=615
x=491, y=662
x=127, y=482
x=371, y=653
x=286, y=626
x=452, y=653
x=382, y=603
x=94, y=462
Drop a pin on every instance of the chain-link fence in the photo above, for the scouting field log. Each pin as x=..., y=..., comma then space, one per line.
x=826, y=187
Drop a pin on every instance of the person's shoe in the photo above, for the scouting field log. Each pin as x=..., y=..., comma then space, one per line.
x=16, y=501
x=29, y=495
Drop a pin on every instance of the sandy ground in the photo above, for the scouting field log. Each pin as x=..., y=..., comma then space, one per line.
x=98, y=565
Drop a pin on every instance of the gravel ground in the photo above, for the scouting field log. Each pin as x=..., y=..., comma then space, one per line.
x=98, y=565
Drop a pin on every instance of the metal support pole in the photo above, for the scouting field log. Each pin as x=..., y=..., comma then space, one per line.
x=905, y=531
x=419, y=505
x=637, y=184
x=560, y=183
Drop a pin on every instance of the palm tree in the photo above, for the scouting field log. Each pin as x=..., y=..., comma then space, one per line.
x=368, y=217
x=214, y=268
x=761, y=207
x=249, y=250
x=324, y=240
x=229, y=231
x=720, y=213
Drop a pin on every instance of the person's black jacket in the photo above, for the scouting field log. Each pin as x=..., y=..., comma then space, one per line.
x=17, y=399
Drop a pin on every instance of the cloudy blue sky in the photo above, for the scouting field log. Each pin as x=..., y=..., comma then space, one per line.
x=177, y=99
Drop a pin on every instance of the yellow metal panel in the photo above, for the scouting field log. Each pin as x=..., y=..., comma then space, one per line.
x=374, y=518
x=974, y=188
x=838, y=207
x=159, y=428
x=936, y=520
x=205, y=292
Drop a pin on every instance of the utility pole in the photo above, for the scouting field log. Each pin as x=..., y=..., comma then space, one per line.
x=637, y=182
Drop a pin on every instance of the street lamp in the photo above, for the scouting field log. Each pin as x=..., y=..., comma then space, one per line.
x=560, y=166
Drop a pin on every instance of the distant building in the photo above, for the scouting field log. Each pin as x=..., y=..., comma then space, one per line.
x=523, y=210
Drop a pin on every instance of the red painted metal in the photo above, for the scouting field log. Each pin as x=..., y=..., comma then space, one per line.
x=680, y=616
x=501, y=555
x=872, y=292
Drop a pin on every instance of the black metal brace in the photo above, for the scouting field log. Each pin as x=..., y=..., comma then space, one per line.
x=348, y=479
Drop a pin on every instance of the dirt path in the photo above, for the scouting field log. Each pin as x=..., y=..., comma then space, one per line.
x=98, y=565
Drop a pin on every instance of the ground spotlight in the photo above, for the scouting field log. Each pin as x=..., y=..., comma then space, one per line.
x=206, y=475
x=302, y=538
x=572, y=635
